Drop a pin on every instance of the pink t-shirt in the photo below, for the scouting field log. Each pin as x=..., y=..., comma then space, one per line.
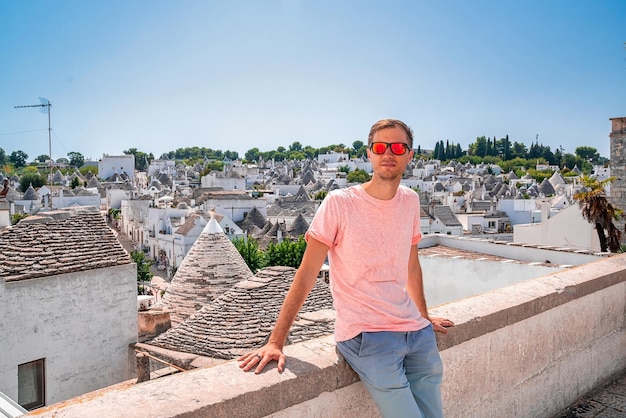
x=370, y=241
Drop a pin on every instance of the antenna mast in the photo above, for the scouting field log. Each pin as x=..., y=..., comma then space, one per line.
x=45, y=103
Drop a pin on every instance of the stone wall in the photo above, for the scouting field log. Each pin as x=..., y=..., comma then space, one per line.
x=618, y=166
x=545, y=341
x=81, y=323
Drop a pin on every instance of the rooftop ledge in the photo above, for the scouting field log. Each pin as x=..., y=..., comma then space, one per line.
x=546, y=367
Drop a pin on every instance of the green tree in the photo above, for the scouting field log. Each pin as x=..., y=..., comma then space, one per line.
x=18, y=158
x=296, y=155
x=143, y=267
x=252, y=154
x=480, y=146
x=279, y=155
x=358, y=176
x=344, y=168
x=597, y=209
x=570, y=160
x=296, y=146
x=519, y=150
x=142, y=160
x=75, y=183
x=16, y=217
x=588, y=154
x=436, y=151
x=320, y=195
x=3, y=156
x=76, y=159
x=34, y=179
x=310, y=152
x=42, y=158
x=231, y=155
x=249, y=250
x=286, y=253
x=506, y=148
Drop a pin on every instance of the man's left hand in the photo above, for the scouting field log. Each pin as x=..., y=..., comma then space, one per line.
x=440, y=324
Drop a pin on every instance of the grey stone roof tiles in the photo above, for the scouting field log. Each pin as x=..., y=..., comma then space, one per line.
x=299, y=226
x=30, y=194
x=546, y=188
x=190, y=223
x=273, y=232
x=60, y=242
x=93, y=182
x=243, y=317
x=212, y=266
x=253, y=218
x=445, y=214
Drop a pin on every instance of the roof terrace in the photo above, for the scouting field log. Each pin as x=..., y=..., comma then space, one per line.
x=529, y=348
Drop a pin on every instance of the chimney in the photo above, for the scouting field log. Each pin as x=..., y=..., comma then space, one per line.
x=5, y=213
x=545, y=211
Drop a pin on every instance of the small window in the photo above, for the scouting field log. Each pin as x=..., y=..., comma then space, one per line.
x=31, y=386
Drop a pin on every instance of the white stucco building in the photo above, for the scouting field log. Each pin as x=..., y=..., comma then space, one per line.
x=567, y=228
x=68, y=308
x=117, y=164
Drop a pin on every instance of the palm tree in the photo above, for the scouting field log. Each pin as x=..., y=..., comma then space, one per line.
x=599, y=211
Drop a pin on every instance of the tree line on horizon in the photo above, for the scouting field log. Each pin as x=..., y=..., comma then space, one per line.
x=511, y=156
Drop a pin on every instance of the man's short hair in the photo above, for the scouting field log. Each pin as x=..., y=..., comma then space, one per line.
x=390, y=123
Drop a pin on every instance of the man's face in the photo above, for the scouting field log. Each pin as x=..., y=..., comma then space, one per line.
x=389, y=166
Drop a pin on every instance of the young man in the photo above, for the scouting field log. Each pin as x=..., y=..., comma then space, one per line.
x=382, y=327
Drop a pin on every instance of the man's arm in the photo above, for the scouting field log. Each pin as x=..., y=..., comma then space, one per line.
x=415, y=288
x=303, y=282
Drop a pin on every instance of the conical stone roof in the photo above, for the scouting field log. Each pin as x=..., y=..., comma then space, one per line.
x=243, y=317
x=546, y=188
x=57, y=177
x=273, y=232
x=299, y=226
x=212, y=266
x=93, y=182
x=253, y=218
x=30, y=194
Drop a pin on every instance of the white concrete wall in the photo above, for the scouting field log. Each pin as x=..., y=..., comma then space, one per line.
x=448, y=279
x=545, y=362
x=510, y=250
x=114, y=197
x=62, y=201
x=227, y=183
x=111, y=164
x=566, y=229
x=81, y=323
x=233, y=208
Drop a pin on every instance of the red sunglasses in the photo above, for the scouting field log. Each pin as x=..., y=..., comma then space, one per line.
x=397, y=148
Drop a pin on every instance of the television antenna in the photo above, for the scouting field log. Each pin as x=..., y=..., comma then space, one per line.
x=45, y=103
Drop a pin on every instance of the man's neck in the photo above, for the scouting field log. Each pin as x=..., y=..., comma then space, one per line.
x=381, y=189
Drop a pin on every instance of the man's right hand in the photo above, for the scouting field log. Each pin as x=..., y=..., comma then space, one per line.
x=261, y=357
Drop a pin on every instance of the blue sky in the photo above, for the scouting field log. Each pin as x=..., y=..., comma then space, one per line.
x=233, y=75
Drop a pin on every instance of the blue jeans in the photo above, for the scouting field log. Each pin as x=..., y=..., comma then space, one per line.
x=401, y=370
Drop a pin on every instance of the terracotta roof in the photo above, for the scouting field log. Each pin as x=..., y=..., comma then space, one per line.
x=59, y=242
x=243, y=317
